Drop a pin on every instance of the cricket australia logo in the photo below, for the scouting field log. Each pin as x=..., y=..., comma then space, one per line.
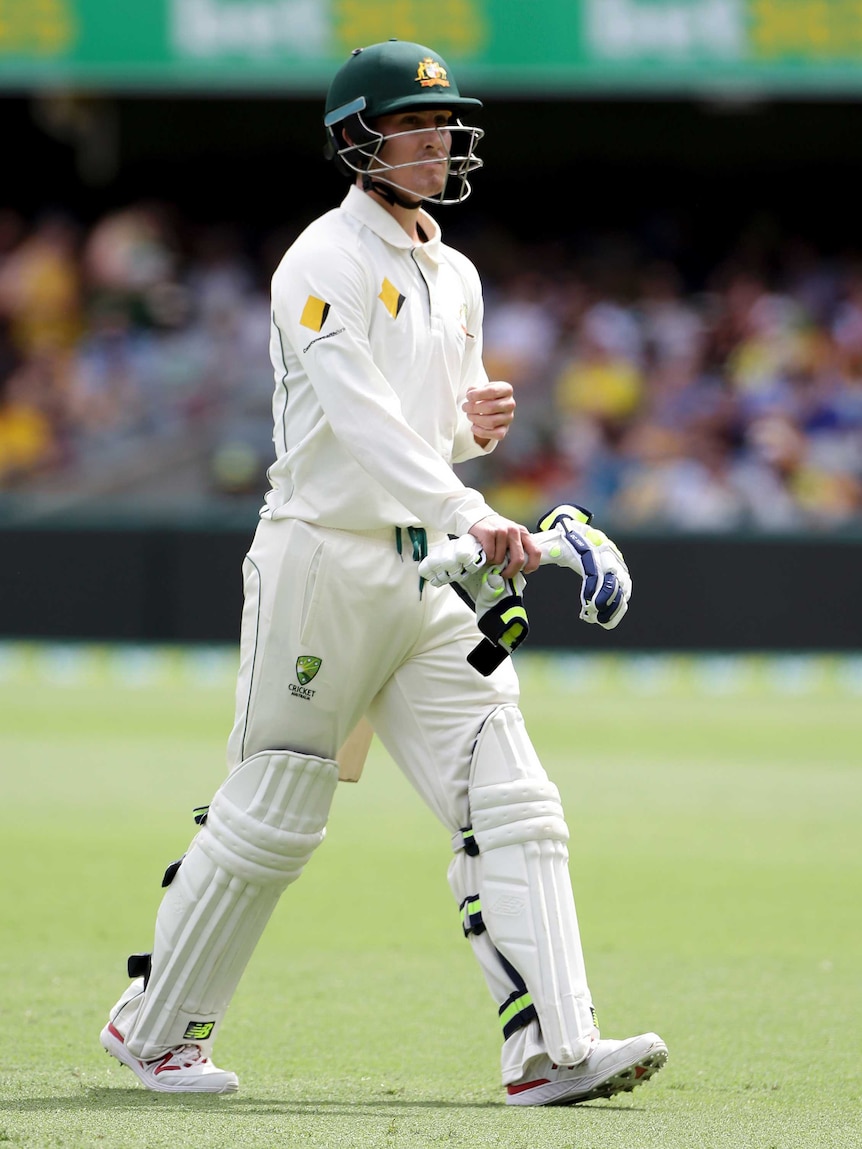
x=306, y=668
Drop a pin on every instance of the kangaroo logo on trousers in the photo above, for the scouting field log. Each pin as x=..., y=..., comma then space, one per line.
x=306, y=668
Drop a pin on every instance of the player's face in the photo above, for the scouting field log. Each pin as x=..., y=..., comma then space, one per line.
x=424, y=149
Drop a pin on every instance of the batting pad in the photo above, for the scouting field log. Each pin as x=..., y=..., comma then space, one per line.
x=262, y=827
x=526, y=1040
x=526, y=895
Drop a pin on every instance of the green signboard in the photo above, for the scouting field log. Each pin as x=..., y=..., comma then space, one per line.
x=506, y=46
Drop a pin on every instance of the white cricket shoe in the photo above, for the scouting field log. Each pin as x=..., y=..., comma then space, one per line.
x=183, y=1069
x=610, y=1067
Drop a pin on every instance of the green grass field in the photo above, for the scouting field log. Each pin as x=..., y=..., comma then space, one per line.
x=716, y=861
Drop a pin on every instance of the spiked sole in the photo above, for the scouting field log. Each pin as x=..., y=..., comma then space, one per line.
x=574, y=1092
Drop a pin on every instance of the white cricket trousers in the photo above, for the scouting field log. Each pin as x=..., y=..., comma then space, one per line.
x=351, y=601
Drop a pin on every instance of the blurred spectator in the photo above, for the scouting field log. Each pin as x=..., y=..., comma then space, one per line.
x=602, y=377
x=130, y=257
x=846, y=326
x=673, y=331
x=28, y=439
x=520, y=330
x=40, y=287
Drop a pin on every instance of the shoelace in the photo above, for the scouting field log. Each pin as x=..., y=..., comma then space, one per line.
x=190, y=1055
x=187, y=1056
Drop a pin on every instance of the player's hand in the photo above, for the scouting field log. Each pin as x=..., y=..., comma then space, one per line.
x=490, y=409
x=507, y=545
x=567, y=539
x=496, y=599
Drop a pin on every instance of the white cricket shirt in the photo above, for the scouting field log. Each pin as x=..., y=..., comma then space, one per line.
x=375, y=341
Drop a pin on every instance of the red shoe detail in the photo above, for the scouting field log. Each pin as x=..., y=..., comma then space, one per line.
x=640, y=1070
x=513, y=1089
x=162, y=1067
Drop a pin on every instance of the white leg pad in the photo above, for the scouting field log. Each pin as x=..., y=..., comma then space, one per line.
x=262, y=827
x=526, y=1041
x=527, y=904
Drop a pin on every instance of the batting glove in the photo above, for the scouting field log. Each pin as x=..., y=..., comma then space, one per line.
x=452, y=561
x=566, y=539
x=497, y=601
x=500, y=615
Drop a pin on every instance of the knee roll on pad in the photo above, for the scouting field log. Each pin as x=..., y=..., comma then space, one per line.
x=269, y=816
x=513, y=813
x=263, y=825
x=528, y=907
x=512, y=800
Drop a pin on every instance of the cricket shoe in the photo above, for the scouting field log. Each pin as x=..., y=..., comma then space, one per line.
x=610, y=1067
x=183, y=1069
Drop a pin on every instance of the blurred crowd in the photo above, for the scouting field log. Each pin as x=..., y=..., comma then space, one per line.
x=134, y=363
x=134, y=359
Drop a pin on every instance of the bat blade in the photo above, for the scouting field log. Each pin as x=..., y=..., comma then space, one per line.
x=351, y=757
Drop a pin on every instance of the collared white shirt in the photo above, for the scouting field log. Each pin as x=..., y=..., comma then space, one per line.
x=374, y=343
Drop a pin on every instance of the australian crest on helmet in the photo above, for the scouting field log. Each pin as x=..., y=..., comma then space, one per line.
x=431, y=72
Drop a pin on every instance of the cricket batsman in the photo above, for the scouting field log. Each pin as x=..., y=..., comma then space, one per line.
x=349, y=618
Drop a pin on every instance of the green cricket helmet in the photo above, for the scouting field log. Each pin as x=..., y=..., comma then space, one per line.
x=383, y=79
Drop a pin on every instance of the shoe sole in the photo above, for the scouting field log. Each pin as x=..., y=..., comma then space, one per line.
x=116, y=1048
x=623, y=1081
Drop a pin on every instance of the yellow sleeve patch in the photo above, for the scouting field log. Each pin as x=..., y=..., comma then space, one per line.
x=391, y=298
x=314, y=313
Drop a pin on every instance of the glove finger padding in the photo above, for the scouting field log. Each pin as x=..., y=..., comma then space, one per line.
x=610, y=603
x=606, y=583
x=500, y=615
x=500, y=610
x=452, y=561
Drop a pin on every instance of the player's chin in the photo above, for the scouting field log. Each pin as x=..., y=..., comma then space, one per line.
x=428, y=186
x=435, y=191
x=434, y=177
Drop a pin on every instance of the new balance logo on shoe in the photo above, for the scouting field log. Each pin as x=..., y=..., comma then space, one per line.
x=198, y=1030
x=183, y=1069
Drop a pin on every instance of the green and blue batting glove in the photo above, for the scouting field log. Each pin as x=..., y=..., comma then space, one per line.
x=566, y=538
x=497, y=601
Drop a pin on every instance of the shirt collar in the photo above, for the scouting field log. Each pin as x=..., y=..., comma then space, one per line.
x=374, y=216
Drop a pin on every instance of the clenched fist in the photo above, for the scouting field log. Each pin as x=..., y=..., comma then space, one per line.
x=490, y=410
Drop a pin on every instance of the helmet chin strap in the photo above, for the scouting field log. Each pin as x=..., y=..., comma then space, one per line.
x=387, y=191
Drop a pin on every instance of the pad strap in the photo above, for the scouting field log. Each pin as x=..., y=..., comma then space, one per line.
x=465, y=840
x=471, y=915
x=516, y=1012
